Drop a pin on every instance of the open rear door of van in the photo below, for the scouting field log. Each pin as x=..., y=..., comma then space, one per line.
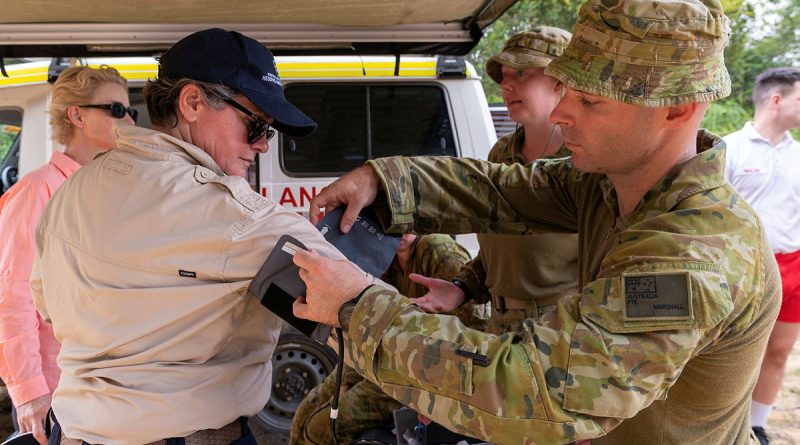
x=81, y=28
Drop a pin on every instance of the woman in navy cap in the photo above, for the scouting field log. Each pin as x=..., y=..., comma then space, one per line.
x=146, y=288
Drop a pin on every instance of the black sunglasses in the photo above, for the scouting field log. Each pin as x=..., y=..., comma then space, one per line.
x=117, y=110
x=256, y=127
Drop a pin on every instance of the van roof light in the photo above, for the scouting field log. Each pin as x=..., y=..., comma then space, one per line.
x=448, y=67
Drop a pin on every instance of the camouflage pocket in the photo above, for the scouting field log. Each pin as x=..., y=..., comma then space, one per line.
x=415, y=359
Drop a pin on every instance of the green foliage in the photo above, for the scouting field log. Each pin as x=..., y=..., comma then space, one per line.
x=725, y=117
x=764, y=35
x=6, y=139
x=523, y=15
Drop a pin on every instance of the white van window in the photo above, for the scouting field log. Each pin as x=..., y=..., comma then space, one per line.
x=10, y=127
x=362, y=122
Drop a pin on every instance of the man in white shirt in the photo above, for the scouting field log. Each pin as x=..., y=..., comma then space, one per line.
x=762, y=162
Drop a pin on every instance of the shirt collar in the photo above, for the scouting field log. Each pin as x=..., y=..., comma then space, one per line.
x=510, y=150
x=699, y=174
x=65, y=164
x=166, y=144
x=753, y=134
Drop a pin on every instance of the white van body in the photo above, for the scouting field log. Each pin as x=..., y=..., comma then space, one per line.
x=472, y=123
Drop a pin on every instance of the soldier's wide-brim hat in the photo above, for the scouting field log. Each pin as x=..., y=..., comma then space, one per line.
x=534, y=48
x=650, y=53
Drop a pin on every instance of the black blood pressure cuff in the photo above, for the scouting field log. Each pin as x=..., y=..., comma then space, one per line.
x=278, y=282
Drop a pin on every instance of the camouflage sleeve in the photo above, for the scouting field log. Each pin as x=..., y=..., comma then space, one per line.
x=503, y=150
x=477, y=196
x=473, y=275
x=575, y=374
x=442, y=256
x=350, y=377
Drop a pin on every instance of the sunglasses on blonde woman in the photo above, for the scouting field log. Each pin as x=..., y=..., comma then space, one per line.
x=117, y=110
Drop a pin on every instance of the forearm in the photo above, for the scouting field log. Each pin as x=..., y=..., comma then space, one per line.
x=572, y=374
x=451, y=195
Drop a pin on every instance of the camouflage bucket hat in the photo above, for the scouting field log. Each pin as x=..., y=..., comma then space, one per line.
x=651, y=53
x=534, y=48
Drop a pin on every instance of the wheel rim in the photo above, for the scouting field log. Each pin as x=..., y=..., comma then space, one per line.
x=296, y=369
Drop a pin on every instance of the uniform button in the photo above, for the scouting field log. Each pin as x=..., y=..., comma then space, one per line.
x=205, y=175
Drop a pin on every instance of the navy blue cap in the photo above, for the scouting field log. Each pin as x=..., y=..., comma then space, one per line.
x=241, y=63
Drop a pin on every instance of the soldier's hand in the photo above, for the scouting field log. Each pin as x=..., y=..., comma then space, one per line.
x=356, y=189
x=443, y=296
x=329, y=283
x=31, y=416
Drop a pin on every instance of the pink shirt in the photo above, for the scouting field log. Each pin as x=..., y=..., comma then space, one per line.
x=28, y=349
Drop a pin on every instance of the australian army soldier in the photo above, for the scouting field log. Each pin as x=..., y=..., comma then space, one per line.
x=522, y=276
x=678, y=288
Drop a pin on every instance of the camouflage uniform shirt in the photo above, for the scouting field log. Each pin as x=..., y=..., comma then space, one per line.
x=662, y=345
x=521, y=276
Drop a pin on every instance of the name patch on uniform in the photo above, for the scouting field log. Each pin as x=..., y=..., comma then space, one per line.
x=187, y=273
x=657, y=295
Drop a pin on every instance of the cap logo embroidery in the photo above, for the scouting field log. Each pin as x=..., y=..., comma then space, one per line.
x=269, y=77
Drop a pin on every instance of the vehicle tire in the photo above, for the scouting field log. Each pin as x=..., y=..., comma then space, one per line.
x=298, y=365
x=8, y=178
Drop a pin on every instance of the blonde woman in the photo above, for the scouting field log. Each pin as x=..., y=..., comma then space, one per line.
x=85, y=103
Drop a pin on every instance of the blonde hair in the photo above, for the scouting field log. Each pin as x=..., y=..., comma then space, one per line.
x=76, y=86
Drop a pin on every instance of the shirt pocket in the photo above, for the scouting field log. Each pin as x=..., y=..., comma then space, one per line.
x=415, y=358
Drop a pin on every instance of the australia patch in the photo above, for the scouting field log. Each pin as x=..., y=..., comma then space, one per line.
x=664, y=296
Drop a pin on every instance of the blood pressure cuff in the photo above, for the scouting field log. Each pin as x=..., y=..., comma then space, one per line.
x=365, y=244
x=278, y=282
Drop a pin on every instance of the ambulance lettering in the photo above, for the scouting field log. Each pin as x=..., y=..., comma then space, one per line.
x=290, y=197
